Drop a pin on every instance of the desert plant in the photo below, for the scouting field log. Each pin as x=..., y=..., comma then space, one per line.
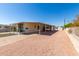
x=69, y=31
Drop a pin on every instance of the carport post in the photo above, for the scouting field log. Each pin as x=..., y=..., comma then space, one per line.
x=39, y=28
x=45, y=27
x=10, y=28
x=18, y=29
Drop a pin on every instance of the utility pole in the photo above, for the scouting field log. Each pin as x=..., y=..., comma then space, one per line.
x=64, y=23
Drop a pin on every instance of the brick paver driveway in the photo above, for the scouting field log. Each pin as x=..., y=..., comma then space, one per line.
x=56, y=44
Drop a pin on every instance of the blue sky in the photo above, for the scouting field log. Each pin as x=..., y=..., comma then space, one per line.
x=51, y=13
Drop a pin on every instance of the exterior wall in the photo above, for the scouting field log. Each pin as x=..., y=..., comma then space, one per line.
x=48, y=27
x=60, y=28
x=4, y=28
x=14, y=27
x=53, y=28
x=31, y=27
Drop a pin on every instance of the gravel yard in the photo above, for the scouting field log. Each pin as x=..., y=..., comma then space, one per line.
x=37, y=45
x=5, y=35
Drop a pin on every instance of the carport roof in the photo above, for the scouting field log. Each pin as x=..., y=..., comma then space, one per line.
x=33, y=22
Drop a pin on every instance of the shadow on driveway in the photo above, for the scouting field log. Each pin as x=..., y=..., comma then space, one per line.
x=48, y=32
x=42, y=33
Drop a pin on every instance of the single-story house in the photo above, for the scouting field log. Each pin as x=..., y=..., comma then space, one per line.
x=31, y=27
x=4, y=28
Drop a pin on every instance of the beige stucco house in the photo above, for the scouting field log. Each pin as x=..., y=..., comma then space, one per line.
x=31, y=27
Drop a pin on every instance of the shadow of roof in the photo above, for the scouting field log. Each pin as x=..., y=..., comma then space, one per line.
x=42, y=33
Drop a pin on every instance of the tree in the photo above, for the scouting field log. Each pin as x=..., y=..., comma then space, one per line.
x=76, y=21
x=68, y=25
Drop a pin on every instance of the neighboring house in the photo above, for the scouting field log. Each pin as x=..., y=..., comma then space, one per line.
x=30, y=27
x=60, y=27
x=4, y=28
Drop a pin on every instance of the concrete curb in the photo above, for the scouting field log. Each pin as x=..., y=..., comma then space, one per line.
x=75, y=40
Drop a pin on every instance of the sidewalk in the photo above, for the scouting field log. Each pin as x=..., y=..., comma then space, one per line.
x=62, y=44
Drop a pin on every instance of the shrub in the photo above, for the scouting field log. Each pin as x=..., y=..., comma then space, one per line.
x=69, y=31
x=68, y=25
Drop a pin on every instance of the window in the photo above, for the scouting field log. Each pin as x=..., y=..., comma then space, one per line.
x=38, y=27
x=26, y=28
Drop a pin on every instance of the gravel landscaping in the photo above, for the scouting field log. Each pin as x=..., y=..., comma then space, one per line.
x=5, y=35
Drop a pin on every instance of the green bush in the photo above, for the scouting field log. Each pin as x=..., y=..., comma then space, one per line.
x=68, y=25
